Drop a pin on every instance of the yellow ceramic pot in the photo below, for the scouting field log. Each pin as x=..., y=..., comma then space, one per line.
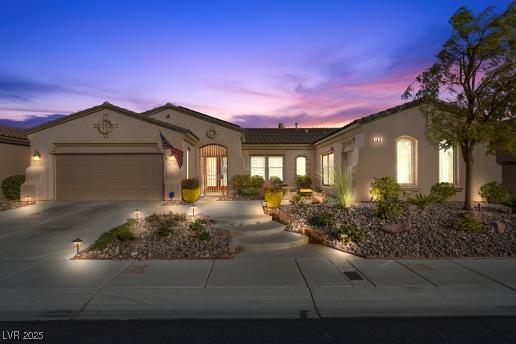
x=273, y=199
x=190, y=195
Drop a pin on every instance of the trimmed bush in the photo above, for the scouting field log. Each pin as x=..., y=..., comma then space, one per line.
x=389, y=209
x=349, y=232
x=468, y=224
x=383, y=188
x=303, y=182
x=251, y=191
x=494, y=192
x=442, y=191
x=296, y=199
x=202, y=235
x=163, y=231
x=190, y=183
x=11, y=186
x=240, y=181
x=257, y=182
x=511, y=203
x=122, y=233
x=422, y=201
x=322, y=220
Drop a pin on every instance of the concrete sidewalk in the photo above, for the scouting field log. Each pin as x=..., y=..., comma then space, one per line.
x=336, y=286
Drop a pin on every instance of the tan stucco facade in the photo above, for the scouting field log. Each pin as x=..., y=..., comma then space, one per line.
x=15, y=159
x=369, y=147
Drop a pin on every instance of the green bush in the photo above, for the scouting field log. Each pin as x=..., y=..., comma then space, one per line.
x=494, y=192
x=442, y=191
x=11, y=186
x=257, y=182
x=197, y=225
x=468, y=224
x=251, y=191
x=274, y=184
x=316, y=188
x=422, y=201
x=303, y=182
x=511, y=203
x=343, y=186
x=163, y=231
x=190, y=183
x=389, y=209
x=240, y=181
x=202, y=235
x=322, y=220
x=122, y=233
x=349, y=232
x=296, y=199
x=383, y=188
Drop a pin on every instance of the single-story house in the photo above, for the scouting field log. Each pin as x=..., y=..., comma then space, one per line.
x=508, y=162
x=110, y=153
x=14, y=151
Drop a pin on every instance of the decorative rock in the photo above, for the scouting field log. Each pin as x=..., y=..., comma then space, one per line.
x=281, y=217
x=396, y=228
x=498, y=227
x=315, y=235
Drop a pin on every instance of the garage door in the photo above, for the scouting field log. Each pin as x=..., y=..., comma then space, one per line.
x=109, y=177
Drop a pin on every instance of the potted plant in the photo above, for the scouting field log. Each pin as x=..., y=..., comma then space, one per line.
x=190, y=190
x=273, y=192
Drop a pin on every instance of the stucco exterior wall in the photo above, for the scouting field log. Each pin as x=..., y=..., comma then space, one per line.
x=14, y=159
x=378, y=159
x=229, y=138
x=80, y=136
x=289, y=153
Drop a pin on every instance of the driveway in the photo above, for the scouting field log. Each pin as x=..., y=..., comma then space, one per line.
x=46, y=230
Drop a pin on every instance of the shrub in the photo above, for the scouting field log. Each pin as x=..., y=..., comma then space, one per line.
x=303, y=182
x=322, y=220
x=296, y=199
x=349, y=232
x=316, y=188
x=251, y=191
x=383, y=188
x=343, y=186
x=202, y=235
x=442, y=191
x=165, y=220
x=163, y=231
x=240, y=181
x=257, y=181
x=494, y=192
x=422, y=201
x=11, y=186
x=122, y=233
x=273, y=184
x=190, y=183
x=197, y=225
x=468, y=224
x=389, y=209
x=511, y=203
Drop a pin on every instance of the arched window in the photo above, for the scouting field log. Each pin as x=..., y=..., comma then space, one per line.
x=447, y=165
x=406, y=160
x=301, y=166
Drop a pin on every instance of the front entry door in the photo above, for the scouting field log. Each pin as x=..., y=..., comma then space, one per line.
x=214, y=169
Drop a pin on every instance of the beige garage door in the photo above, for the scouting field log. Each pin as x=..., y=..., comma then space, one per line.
x=109, y=177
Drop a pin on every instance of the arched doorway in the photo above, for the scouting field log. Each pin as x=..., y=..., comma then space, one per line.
x=214, y=170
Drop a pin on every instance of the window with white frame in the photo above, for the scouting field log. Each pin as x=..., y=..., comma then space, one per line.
x=301, y=166
x=258, y=166
x=327, y=169
x=447, y=166
x=267, y=166
x=406, y=161
x=275, y=167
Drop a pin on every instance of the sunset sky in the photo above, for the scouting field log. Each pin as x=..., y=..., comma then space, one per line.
x=255, y=63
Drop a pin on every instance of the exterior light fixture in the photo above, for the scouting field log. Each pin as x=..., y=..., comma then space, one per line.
x=77, y=243
x=36, y=156
x=193, y=210
x=137, y=214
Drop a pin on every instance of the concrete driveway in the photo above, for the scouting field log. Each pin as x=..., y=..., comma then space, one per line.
x=46, y=230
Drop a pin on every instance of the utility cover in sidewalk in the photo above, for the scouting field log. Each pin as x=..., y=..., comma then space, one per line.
x=353, y=275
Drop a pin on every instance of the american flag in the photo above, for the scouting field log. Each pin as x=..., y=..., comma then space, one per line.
x=177, y=153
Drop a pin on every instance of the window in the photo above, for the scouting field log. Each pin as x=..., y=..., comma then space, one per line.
x=447, y=166
x=301, y=166
x=267, y=166
x=188, y=163
x=258, y=166
x=405, y=160
x=327, y=169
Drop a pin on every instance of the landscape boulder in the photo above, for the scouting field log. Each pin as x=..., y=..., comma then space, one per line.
x=396, y=228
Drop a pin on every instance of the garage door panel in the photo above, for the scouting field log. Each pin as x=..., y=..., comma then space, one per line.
x=109, y=177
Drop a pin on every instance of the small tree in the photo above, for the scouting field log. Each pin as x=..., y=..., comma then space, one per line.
x=470, y=89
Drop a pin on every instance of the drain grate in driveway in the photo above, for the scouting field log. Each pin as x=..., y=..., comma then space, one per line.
x=353, y=276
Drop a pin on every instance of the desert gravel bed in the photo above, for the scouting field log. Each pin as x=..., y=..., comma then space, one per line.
x=6, y=204
x=181, y=243
x=431, y=234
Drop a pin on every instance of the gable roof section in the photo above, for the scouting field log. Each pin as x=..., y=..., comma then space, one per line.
x=109, y=106
x=192, y=113
x=285, y=135
x=13, y=135
x=376, y=116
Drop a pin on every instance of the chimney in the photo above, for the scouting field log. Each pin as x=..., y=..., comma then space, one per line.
x=296, y=125
x=281, y=125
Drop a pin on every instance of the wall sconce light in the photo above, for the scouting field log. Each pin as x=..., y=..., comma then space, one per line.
x=77, y=243
x=36, y=156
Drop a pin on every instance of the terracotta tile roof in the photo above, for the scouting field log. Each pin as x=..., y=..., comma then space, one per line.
x=13, y=135
x=192, y=113
x=285, y=135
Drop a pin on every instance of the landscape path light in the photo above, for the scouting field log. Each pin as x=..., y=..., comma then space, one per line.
x=77, y=243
